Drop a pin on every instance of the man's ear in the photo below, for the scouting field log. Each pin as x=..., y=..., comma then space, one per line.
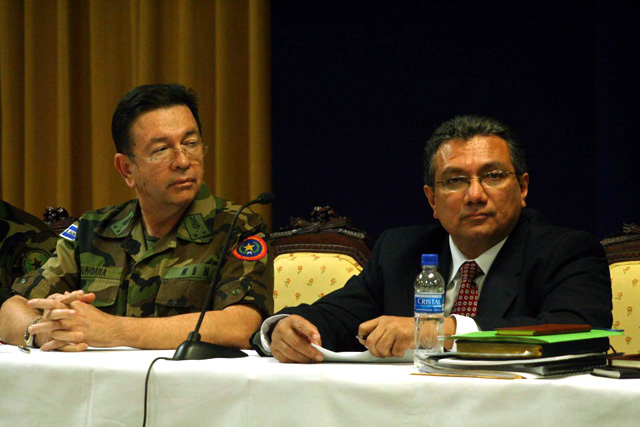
x=431, y=197
x=524, y=188
x=124, y=164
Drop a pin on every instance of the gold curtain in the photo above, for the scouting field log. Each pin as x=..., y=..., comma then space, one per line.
x=65, y=64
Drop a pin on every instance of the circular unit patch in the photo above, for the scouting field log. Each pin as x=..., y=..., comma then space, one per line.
x=34, y=259
x=251, y=249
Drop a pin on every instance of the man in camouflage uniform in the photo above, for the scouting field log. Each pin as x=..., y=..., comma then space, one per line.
x=26, y=243
x=147, y=264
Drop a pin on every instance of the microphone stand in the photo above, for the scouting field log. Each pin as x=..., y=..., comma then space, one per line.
x=194, y=348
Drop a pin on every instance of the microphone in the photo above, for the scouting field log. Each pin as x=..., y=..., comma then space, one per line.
x=265, y=198
x=194, y=348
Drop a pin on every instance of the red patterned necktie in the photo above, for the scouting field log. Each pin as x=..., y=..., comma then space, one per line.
x=467, y=301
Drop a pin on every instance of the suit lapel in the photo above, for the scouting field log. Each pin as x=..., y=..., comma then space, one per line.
x=444, y=261
x=427, y=246
x=501, y=285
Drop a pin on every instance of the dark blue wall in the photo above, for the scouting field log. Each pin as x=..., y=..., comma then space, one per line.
x=358, y=87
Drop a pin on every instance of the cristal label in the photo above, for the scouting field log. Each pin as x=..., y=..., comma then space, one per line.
x=425, y=303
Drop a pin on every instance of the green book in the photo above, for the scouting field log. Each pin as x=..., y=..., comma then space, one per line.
x=540, y=339
x=489, y=345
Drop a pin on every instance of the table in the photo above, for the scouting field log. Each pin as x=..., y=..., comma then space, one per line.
x=106, y=388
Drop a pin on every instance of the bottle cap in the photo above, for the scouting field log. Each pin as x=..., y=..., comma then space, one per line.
x=430, y=259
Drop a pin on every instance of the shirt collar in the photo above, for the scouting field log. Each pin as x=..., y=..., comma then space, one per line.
x=192, y=226
x=484, y=261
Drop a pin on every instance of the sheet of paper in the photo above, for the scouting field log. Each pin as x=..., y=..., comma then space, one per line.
x=431, y=367
x=477, y=362
x=361, y=356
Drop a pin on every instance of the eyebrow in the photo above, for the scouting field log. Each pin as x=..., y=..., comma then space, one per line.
x=186, y=135
x=486, y=167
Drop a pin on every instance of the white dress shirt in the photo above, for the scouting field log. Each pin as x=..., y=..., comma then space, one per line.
x=485, y=261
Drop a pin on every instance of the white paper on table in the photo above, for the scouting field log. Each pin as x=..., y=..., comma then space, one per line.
x=361, y=356
x=483, y=362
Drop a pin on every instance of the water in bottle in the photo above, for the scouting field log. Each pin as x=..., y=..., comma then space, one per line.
x=429, y=290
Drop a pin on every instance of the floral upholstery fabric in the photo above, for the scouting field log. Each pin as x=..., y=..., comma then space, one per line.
x=304, y=277
x=625, y=287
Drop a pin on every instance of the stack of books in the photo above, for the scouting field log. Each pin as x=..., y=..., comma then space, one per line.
x=542, y=350
x=620, y=366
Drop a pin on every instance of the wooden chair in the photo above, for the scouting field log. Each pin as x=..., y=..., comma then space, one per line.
x=315, y=257
x=57, y=218
x=623, y=254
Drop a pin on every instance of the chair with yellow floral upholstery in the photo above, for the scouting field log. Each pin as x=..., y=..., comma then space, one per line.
x=316, y=257
x=623, y=253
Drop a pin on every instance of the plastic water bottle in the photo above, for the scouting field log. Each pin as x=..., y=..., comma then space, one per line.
x=429, y=310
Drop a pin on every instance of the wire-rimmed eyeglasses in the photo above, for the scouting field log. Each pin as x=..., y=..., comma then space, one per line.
x=163, y=155
x=491, y=179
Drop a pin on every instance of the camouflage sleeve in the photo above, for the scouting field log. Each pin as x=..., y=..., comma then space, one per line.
x=57, y=275
x=34, y=254
x=247, y=273
x=23, y=249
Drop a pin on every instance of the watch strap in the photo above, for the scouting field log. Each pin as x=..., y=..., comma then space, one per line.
x=29, y=338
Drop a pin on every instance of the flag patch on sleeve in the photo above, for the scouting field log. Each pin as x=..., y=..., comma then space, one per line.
x=70, y=233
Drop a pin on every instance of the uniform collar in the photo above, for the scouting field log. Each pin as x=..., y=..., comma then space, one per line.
x=192, y=226
x=123, y=223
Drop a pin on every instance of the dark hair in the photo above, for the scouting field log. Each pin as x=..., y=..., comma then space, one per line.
x=147, y=98
x=465, y=128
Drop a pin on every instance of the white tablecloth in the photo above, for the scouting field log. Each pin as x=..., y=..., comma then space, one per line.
x=106, y=388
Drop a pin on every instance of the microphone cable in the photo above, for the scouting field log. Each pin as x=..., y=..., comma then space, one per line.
x=146, y=386
x=263, y=199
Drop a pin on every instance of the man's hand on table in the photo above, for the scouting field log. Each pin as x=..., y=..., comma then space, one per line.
x=58, y=328
x=291, y=341
x=392, y=336
x=387, y=336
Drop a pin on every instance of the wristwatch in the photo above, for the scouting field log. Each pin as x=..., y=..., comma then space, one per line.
x=28, y=338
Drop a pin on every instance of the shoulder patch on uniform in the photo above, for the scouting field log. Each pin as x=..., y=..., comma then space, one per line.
x=70, y=233
x=195, y=226
x=34, y=259
x=252, y=248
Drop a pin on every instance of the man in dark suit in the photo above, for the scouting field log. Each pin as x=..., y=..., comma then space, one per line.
x=476, y=182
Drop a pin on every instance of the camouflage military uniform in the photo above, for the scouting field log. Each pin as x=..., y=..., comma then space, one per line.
x=110, y=258
x=26, y=243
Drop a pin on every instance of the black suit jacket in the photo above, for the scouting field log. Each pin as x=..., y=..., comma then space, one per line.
x=543, y=274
